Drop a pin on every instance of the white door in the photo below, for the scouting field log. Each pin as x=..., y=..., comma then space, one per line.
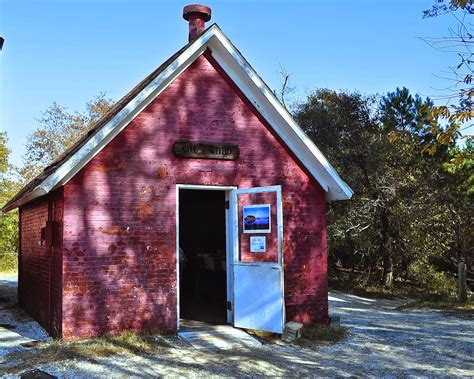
x=257, y=266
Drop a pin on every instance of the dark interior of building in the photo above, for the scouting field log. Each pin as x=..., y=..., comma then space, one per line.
x=202, y=240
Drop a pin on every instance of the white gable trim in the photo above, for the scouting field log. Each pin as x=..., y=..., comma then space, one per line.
x=255, y=89
x=112, y=128
x=247, y=80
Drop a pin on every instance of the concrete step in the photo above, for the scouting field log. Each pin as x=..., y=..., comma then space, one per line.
x=216, y=337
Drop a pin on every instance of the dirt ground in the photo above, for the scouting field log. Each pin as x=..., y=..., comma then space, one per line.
x=383, y=342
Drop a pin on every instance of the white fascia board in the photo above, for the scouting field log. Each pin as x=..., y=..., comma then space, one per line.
x=253, y=97
x=243, y=82
x=37, y=192
x=249, y=83
x=114, y=126
x=278, y=117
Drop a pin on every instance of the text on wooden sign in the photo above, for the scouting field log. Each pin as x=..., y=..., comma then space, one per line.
x=206, y=150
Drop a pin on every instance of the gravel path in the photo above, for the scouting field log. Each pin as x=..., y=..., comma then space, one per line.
x=384, y=342
x=16, y=327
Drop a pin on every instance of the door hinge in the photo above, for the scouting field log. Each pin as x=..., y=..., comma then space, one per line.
x=227, y=204
x=229, y=305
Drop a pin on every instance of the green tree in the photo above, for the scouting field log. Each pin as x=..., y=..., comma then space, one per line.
x=59, y=129
x=397, y=223
x=455, y=196
x=446, y=189
x=345, y=127
x=8, y=222
x=451, y=121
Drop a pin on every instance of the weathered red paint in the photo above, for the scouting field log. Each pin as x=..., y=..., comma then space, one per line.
x=40, y=266
x=119, y=256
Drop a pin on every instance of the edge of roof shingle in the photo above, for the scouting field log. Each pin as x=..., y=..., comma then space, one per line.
x=286, y=127
x=117, y=107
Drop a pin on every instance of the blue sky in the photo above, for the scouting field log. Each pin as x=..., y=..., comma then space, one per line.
x=258, y=212
x=70, y=51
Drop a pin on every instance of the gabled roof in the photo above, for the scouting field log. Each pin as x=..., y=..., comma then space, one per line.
x=124, y=111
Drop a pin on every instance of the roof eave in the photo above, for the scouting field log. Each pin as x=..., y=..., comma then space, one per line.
x=259, y=93
x=303, y=147
x=37, y=192
x=339, y=193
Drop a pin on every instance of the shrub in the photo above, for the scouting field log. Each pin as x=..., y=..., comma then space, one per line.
x=8, y=262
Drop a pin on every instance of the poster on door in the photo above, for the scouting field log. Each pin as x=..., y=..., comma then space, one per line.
x=256, y=218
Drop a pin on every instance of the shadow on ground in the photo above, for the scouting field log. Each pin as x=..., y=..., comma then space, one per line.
x=383, y=341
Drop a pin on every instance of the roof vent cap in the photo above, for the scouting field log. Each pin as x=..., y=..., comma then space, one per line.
x=197, y=15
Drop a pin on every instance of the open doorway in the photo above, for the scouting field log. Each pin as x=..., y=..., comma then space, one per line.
x=202, y=257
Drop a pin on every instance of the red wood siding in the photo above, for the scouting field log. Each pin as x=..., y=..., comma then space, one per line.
x=119, y=211
x=40, y=274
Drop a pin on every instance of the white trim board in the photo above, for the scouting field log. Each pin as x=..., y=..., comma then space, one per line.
x=245, y=78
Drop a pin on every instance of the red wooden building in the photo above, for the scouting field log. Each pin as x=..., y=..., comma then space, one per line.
x=196, y=197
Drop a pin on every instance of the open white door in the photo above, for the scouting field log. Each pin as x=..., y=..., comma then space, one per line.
x=257, y=220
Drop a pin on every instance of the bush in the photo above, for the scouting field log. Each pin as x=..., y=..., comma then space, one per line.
x=8, y=240
x=434, y=281
x=8, y=262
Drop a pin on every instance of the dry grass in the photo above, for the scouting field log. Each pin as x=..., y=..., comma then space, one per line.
x=264, y=337
x=317, y=335
x=374, y=292
x=357, y=283
x=56, y=351
x=447, y=305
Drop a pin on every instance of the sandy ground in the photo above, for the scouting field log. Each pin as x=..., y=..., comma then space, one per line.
x=16, y=327
x=383, y=342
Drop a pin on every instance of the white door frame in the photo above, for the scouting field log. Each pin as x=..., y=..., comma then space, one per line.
x=228, y=238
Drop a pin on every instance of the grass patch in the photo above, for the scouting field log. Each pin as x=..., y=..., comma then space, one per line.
x=264, y=337
x=357, y=283
x=89, y=350
x=374, y=292
x=449, y=305
x=440, y=298
x=313, y=336
x=341, y=280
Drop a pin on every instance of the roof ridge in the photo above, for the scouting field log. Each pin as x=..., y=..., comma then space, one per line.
x=117, y=107
x=253, y=86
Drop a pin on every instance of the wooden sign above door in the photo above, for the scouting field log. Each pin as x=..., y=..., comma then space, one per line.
x=206, y=150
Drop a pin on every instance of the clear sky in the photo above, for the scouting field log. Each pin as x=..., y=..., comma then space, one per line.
x=70, y=51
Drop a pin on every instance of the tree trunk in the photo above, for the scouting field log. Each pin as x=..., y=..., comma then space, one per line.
x=462, y=284
x=387, y=277
x=387, y=270
x=352, y=258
